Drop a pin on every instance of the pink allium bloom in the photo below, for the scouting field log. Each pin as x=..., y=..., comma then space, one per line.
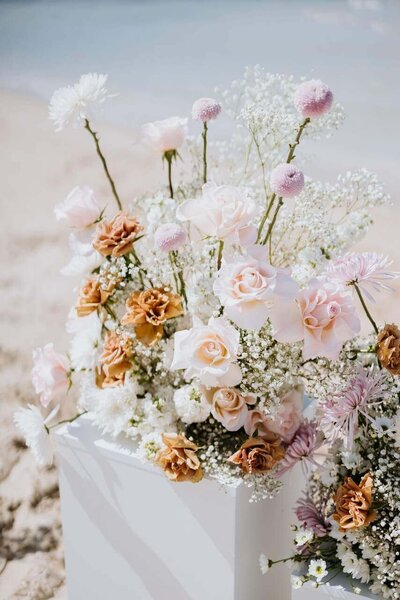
x=206, y=109
x=49, y=373
x=313, y=98
x=289, y=415
x=286, y=181
x=80, y=208
x=368, y=269
x=245, y=288
x=162, y=136
x=339, y=415
x=306, y=448
x=311, y=518
x=169, y=237
x=323, y=315
x=224, y=212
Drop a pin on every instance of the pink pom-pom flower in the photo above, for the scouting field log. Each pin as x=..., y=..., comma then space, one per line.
x=286, y=181
x=313, y=98
x=169, y=237
x=206, y=109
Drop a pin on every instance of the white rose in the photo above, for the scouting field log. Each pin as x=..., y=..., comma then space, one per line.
x=224, y=212
x=162, y=136
x=246, y=288
x=209, y=352
x=79, y=209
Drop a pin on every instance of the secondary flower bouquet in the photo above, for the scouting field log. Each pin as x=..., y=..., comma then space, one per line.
x=204, y=307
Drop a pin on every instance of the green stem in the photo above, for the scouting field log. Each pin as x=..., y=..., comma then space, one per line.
x=139, y=266
x=67, y=420
x=104, y=163
x=181, y=288
x=219, y=257
x=271, y=225
x=360, y=296
x=169, y=156
x=289, y=159
x=204, y=136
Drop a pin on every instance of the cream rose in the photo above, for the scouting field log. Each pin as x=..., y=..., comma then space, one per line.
x=229, y=407
x=246, y=288
x=224, y=212
x=162, y=136
x=208, y=352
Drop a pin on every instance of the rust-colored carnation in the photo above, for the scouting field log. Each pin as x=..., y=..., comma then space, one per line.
x=353, y=503
x=115, y=360
x=389, y=348
x=179, y=459
x=259, y=455
x=116, y=237
x=147, y=311
x=91, y=296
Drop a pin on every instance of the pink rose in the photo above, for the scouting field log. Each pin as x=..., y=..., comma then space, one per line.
x=165, y=135
x=224, y=212
x=208, y=352
x=289, y=416
x=246, y=288
x=229, y=407
x=79, y=209
x=49, y=373
x=258, y=421
x=323, y=315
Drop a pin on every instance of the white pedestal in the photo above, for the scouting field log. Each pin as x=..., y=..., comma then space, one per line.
x=130, y=534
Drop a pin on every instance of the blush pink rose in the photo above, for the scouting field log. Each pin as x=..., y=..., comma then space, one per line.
x=80, y=208
x=208, y=352
x=162, y=136
x=245, y=288
x=289, y=415
x=323, y=315
x=258, y=421
x=49, y=373
x=224, y=212
x=229, y=407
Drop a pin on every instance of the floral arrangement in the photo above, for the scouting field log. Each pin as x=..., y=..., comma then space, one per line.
x=206, y=307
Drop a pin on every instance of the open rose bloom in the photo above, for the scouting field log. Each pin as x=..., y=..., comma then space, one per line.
x=212, y=306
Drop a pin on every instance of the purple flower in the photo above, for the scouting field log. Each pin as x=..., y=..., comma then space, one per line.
x=286, y=181
x=367, y=269
x=206, y=109
x=310, y=517
x=304, y=448
x=340, y=413
x=313, y=98
x=169, y=237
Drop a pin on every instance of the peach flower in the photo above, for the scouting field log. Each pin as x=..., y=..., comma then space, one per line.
x=116, y=237
x=258, y=455
x=353, y=504
x=179, y=459
x=80, y=208
x=323, y=315
x=115, y=360
x=289, y=415
x=245, y=288
x=224, y=212
x=229, y=407
x=91, y=296
x=389, y=348
x=208, y=352
x=147, y=311
x=49, y=373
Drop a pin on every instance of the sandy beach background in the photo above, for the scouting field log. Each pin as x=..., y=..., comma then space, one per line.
x=158, y=60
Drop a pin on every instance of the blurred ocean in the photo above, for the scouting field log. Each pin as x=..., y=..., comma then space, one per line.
x=163, y=54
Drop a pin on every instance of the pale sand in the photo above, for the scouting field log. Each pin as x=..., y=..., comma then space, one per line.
x=37, y=169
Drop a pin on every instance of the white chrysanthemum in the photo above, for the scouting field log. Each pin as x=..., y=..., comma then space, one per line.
x=86, y=333
x=33, y=427
x=85, y=258
x=303, y=536
x=317, y=569
x=191, y=404
x=356, y=567
x=297, y=582
x=73, y=104
x=265, y=564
